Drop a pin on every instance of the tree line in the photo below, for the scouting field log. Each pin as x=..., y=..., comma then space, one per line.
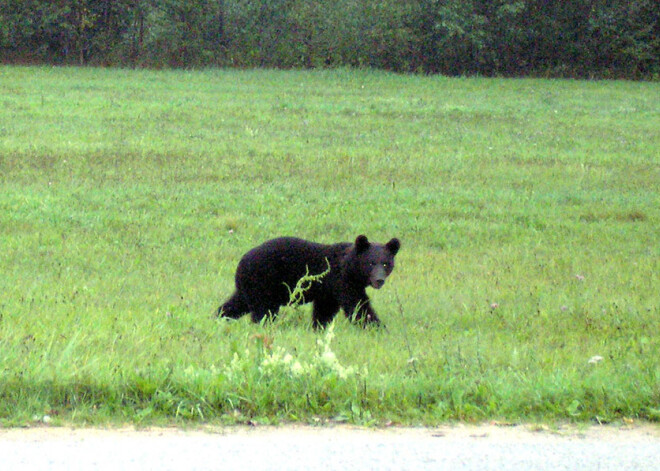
x=582, y=38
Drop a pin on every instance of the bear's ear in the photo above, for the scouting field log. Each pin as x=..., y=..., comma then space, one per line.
x=393, y=246
x=361, y=243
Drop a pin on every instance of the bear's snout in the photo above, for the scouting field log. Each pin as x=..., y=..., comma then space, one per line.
x=377, y=282
x=378, y=276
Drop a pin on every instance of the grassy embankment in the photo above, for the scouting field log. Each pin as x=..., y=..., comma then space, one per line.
x=528, y=210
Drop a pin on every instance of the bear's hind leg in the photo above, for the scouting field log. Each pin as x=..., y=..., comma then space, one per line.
x=261, y=311
x=233, y=308
x=259, y=314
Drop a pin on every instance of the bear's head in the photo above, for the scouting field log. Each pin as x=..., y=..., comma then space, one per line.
x=375, y=261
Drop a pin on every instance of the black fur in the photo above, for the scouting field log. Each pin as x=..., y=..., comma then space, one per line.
x=266, y=275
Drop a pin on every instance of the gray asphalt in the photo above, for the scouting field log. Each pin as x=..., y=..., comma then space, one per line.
x=332, y=448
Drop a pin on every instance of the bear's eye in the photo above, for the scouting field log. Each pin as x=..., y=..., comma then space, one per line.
x=386, y=264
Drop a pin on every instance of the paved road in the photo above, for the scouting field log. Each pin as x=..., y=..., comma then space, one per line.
x=331, y=448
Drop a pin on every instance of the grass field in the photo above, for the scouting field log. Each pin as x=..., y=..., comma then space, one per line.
x=528, y=211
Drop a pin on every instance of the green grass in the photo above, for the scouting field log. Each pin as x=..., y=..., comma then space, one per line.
x=528, y=210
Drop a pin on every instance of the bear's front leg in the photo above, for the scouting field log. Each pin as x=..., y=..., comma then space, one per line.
x=358, y=309
x=324, y=311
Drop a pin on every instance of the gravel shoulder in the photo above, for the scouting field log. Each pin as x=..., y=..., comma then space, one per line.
x=494, y=431
x=336, y=447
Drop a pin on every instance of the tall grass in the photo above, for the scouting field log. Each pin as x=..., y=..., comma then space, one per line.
x=528, y=212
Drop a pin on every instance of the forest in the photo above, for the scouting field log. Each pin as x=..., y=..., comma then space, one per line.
x=509, y=38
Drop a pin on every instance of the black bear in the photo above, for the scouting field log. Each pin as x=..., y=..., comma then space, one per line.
x=267, y=274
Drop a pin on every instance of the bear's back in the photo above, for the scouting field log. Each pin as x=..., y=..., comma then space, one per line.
x=286, y=260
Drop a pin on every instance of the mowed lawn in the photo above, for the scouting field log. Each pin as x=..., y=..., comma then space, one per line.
x=526, y=289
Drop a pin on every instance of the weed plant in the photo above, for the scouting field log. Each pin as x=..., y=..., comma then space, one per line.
x=526, y=288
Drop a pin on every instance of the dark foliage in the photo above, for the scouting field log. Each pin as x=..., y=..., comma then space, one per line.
x=588, y=38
